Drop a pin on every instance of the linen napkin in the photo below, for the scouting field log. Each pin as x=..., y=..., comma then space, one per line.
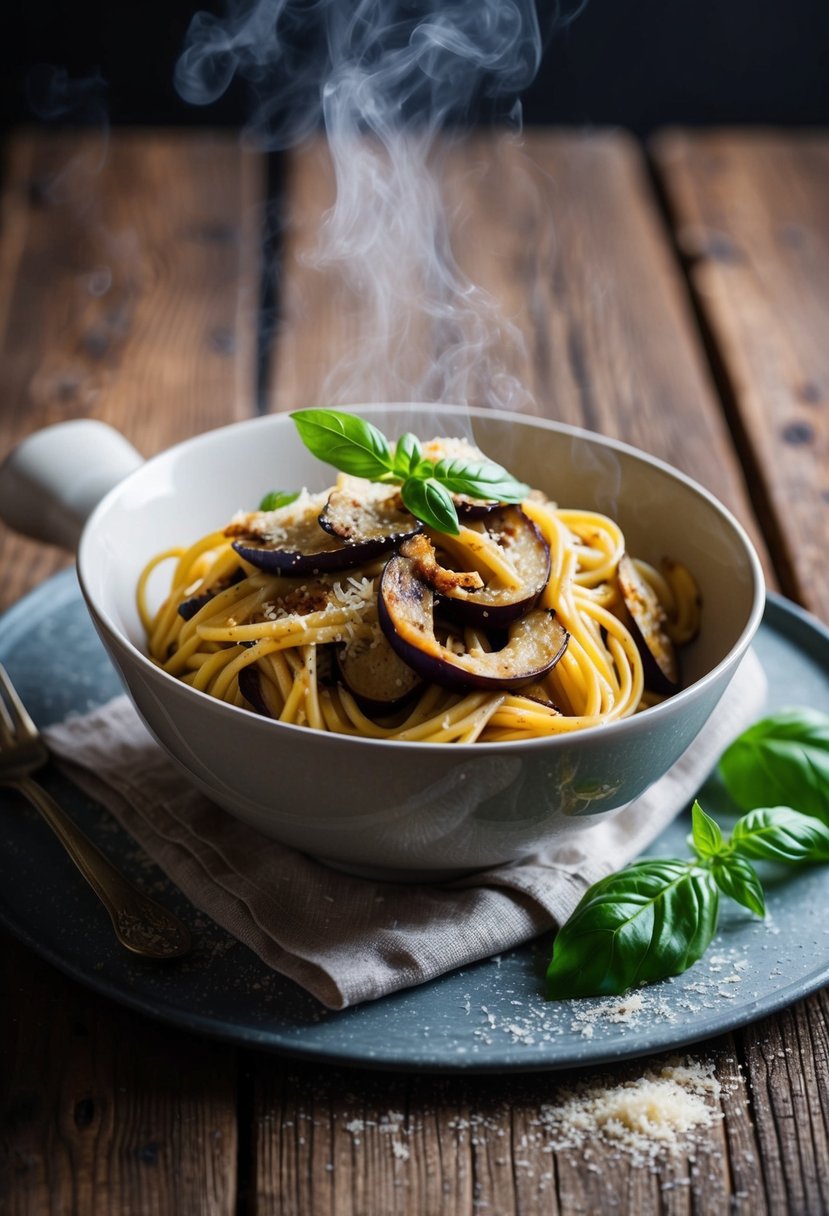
x=344, y=939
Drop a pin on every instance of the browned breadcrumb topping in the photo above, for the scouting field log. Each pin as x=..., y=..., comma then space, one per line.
x=310, y=597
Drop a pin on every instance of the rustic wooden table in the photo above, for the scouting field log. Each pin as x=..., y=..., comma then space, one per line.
x=676, y=297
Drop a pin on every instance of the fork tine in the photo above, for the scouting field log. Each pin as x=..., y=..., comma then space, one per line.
x=18, y=722
x=6, y=724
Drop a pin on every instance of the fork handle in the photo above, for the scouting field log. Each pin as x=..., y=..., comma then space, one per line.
x=141, y=924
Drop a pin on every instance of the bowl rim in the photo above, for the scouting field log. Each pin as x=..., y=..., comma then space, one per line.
x=619, y=728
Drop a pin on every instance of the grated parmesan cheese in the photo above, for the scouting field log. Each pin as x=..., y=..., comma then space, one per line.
x=354, y=595
x=452, y=448
x=651, y=1116
x=276, y=526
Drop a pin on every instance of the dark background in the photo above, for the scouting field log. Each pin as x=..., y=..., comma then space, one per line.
x=635, y=63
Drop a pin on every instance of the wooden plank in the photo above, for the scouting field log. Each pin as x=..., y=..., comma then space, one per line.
x=128, y=292
x=563, y=234
x=359, y=1143
x=787, y=1071
x=751, y=212
x=752, y=219
x=106, y=1111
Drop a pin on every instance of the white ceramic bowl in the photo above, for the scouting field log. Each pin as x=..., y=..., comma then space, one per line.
x=404, y=809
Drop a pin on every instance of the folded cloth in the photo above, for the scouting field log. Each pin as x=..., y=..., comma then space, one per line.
x=346, y=939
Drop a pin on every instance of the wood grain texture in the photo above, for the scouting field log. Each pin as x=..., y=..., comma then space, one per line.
x=357, y=1144
x=787, y=1071
x=752, y=219
x=128, y=292
x=104, y=1111
x=580, y=313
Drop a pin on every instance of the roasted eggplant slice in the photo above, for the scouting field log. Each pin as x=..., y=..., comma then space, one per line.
x=291, y=540
x=647, y=621
x=376, y=675
x=359, y=511
x=492, y=605
x=534, y=643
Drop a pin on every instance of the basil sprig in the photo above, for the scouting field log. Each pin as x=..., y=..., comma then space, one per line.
x=656, y=918
x=354, y=446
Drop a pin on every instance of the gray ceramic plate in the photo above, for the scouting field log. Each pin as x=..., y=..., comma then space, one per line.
x=486, y=1017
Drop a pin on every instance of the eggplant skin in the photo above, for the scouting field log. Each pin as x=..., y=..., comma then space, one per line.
x=292, y=561
x=535, y=643
x=250, y=687
x=475, y=508
x=290, y=540
x=647, y=626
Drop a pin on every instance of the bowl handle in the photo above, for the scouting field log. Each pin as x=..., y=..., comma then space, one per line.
x=52, y=481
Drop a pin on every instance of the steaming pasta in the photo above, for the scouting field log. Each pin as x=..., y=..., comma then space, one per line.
x=287, y=627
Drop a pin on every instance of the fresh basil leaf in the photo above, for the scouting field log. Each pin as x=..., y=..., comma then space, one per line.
x=738, y=879
x=479, y=479
x=429, y=502
x=408, y=454
x=778, y=833
x=345, y=441
x=782, y=760
x=648, y=921
x=706, y=836
x=278, y=498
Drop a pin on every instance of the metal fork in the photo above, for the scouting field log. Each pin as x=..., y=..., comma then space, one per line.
x=140, y=924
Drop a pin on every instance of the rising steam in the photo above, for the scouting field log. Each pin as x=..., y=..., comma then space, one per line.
x=384, y=78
